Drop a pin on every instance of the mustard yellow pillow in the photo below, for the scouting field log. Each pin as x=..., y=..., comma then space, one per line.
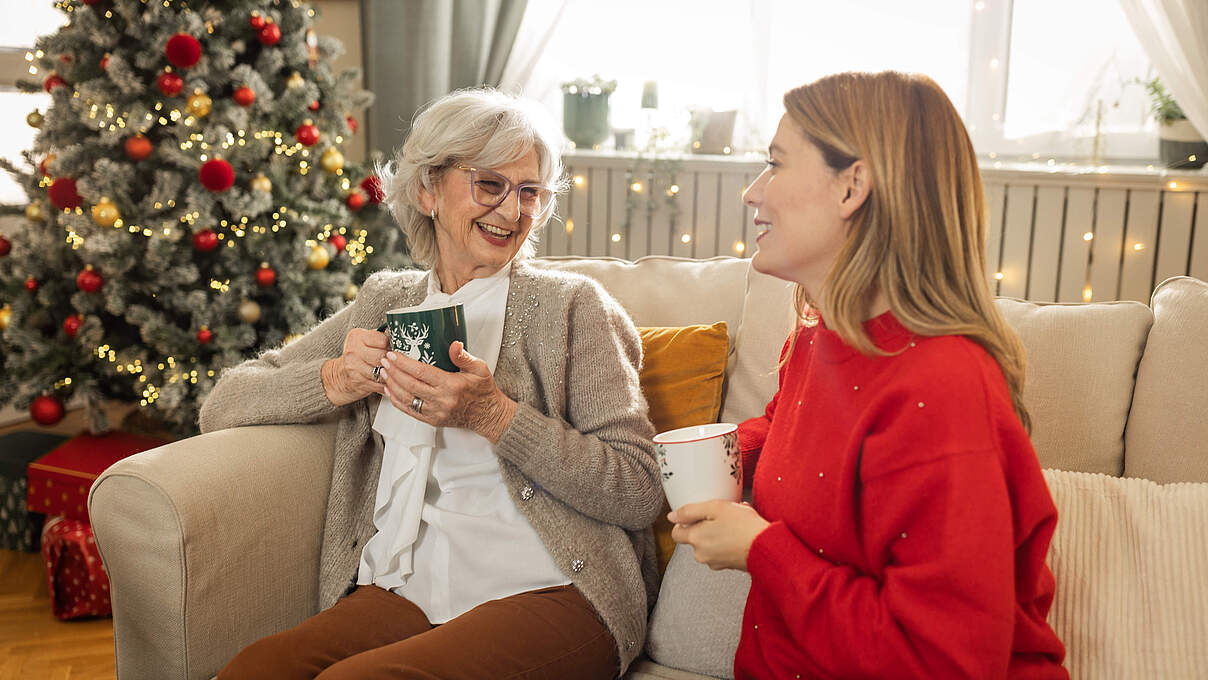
x=683, y=369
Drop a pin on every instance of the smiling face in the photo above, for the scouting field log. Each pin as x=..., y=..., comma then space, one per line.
x=473, y=241
x=801, y=210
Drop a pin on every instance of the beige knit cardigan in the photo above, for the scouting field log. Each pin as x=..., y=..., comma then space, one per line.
x=577, y=457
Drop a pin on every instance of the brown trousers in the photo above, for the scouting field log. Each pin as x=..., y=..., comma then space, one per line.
x=373, y=634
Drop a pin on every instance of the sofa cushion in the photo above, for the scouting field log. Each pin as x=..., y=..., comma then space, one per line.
x=683, y=369
x=767, y=318
x=1081, y=363
x=1128, y=557
x=698, y=617
x=1167, y=428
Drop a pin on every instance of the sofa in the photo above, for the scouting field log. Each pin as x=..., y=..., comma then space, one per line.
x=213, y=541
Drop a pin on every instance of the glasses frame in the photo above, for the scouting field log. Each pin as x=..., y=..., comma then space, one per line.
x=510, y=188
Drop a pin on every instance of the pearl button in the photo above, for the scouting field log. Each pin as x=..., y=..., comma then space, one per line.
x=819, y=474
x=757, y=626
x=903, y=534
x=778, y=478
x=576, y=566
x=819, y=551
x=855, y=387
x=920, y=404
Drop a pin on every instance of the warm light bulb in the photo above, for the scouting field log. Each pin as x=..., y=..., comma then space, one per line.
x=579, y=180
x=1173, y=185
x=1086, y=294
x=1138, y=246
x=636, y=187
x=998, y=275
x=570, y=226
x=1088, y=236
x=616, y=238
x=686, y=238
x=739, y=247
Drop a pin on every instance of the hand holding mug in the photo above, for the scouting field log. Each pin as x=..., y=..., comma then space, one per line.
x=351, y=376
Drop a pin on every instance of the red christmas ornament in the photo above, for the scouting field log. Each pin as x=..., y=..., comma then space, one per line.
x=71, y=325
x=52, y=81
x=205, y=335
x=355, y=200
x=352, y=124
x=182, y=50
x=256, y=21
x=244, y=96
x=6, y=246
x=338, y=241
x=313, y=106
x=269, y=34
x=170, y=84
x=265, y=276
x=31, y=284
x=63, y=194
x=216, y=175
x=105, y=63
x=307, y=134
x=205, y=240
x=46, y=410
x=373, y=188
x=138, y=148
x=89, y=281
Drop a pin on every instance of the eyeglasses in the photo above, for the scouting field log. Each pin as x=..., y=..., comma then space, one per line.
x=489, y=189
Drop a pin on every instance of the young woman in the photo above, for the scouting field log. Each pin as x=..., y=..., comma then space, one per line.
x=900, y=520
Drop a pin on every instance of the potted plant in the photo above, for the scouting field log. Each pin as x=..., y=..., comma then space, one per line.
x=1182, y=146
x=585, y=110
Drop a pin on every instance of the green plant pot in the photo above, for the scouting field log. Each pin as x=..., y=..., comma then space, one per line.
x=585, y=118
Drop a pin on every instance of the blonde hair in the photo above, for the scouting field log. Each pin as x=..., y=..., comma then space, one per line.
x=920, y=236
x=480, y=127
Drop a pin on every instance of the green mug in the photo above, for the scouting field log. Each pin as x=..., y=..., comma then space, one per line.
x=426, y=334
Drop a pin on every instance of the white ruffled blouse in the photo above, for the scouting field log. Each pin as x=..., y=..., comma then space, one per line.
x=448, y=535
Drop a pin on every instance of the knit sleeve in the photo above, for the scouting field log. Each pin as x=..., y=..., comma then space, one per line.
x=281, y=386
x=598, y=457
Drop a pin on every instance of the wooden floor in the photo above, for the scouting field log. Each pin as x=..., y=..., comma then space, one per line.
x=34, y=645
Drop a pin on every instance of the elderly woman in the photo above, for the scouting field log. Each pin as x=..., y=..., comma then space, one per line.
x=486, y=523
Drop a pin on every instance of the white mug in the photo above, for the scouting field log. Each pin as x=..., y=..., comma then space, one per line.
x=700, y=463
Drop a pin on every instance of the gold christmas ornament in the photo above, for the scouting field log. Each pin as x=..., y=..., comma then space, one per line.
x=295, y=80
x=6, y=316
x=199, y=104
x=249, y=311
x=332, y=160
x=262, y=183
x=105, y=213
x=318, y=258
x=35, y=118
x=35, y=213
x=350, y=293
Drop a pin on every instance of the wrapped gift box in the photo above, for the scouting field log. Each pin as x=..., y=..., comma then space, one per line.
x=19, y=528
x=59, y=481
x=77, y=581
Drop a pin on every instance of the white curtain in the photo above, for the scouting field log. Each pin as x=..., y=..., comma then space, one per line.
x=522, y=74
x=1175, y=35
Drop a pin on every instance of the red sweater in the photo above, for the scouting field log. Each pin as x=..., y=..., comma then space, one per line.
x=910, y=520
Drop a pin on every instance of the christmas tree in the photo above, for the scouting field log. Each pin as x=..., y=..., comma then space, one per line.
x=189, y=204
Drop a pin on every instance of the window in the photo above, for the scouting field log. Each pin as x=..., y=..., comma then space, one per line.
x=1027, y=75
x=18, y=32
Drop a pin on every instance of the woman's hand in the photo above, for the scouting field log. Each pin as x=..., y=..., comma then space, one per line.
x=349, y=377
x=720, y=532
x=469, y=399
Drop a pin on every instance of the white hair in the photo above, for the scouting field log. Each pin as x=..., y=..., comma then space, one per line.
x=480, y=127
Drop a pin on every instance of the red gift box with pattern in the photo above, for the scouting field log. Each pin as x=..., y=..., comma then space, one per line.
x=77, y=580
x=59, y=481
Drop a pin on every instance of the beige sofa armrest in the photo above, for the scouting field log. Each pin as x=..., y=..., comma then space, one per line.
x=211, y=543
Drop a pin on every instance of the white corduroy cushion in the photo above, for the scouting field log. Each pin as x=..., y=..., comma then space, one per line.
x=1081, y=363
x=1167, y=435
x=698, y=617
x=1128, y=555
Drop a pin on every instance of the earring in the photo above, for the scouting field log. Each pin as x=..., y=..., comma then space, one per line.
x=432, y=214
